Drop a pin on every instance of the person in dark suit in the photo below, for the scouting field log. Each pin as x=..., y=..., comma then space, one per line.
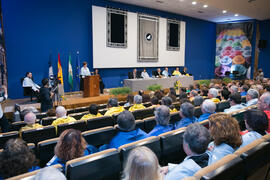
x=157, y=73
x=133, y=74
x=45, y=96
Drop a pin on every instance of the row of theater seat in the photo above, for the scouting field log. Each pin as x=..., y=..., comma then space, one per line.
x=167, y=147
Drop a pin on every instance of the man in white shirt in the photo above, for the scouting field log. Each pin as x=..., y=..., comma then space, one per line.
x=144, y=74
x=28, y=82
x=165, y=72
x=3, y=121
x=84, y=72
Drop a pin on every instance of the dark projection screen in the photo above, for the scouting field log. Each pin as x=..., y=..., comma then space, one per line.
x=117, y=28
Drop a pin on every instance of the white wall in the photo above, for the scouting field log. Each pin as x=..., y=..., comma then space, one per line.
x=107, y=57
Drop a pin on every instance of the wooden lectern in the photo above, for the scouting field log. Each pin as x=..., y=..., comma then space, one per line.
x=91, y=86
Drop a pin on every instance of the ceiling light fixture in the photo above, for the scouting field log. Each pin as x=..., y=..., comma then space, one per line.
x=194, y=3
x=205, y=6
x=236, y=15
x=224, y=11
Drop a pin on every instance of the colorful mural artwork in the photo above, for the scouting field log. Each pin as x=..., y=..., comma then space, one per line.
x=233, y=51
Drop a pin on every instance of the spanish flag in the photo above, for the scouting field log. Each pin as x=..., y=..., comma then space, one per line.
x=60, y=71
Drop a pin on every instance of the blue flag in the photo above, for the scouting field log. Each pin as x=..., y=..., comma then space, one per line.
x=78, y=69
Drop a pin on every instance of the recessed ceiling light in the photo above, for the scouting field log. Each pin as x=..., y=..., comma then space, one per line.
x=194, y=3
x=181, y=0
x=205, y=6
x=224, y=11
x=236, y=15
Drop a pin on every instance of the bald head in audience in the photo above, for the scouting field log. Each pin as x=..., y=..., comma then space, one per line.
x=264, y=102
x=60, y=112
x=30, y=118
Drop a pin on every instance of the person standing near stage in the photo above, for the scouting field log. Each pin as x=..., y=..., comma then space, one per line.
x=45, y=96
x=101, y=84
x=84, y=72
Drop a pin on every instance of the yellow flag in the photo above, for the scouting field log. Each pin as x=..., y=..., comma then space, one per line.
x=60, y=72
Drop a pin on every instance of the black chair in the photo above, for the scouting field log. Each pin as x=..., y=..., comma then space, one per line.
x=244, y=99
x=79, y=125
x=102, y=106
x=47, y=121
x=140, y=124
x=172, y=146
x=99, y=122
x=143, y=113
x=46, y=150
x=197, y=112
x=41, y=115
x=81, y=109
x=222, y=105
x=102, y=165
x=239, y=116
x=149, y=124
x=39, y=134
x=175, y=117
x=16, y=126
x=27, y=91
x=78, y=116
x=152, y=143
x=4, y=137
x=99, y=136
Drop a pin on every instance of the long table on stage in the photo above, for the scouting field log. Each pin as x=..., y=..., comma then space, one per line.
x=142, y=84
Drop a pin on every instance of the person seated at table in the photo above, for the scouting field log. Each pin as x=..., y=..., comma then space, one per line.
x=162, y=117
x=184, y=71
x=167, y=101
x=113, y=107
x=133, y=74
x=137, y=103
x=28, y=82
x=256, y=122
x=158, y=73
x=16, y=158
x=128, y=132
x=212, y=94
x=165, y=72
x=176, y=72
x=208, y=107
x=144, y=74
x=61, y=114
x=30, y=120
x=187, y=114
x=71, y=145
x=93, y=113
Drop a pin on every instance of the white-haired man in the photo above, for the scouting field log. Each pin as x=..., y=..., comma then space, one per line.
x=30, y=120
x=264, y=105
x=252, y=97
x=208, y=107
x=212, y=95
x=62, y=117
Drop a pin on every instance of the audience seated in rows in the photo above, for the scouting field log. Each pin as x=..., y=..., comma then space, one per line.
x=61, y=114
x=252, y=97
x=212, y=94
x=113, y=107
x=127, y=130
x=93, y=112
x=172, y=94
x=137, y=103
x=71, y=145
x=233, y=89
x=162, y=117
x=49, y=173
x=142, y=164
x=145, y=98
x=264, y=105
x=225, y=93
x=244, y=90
x=235, y=103
x=224, y=131
x=208, y=107
x=187, y=114
x=256, y=122
x=167, y=101
x=30, y=120
x=195, y=141
x=16, y=158
x=192, y=95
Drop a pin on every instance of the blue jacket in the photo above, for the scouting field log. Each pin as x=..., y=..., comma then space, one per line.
x=243, y=93
x=250, y=137
x=186, y=168
x=159, y=129
x=218, y=152
x=55, y=160
x=203, y=117
x=122, y=138
x=185, y=122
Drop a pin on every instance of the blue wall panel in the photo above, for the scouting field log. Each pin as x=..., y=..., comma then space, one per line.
x=264, y=56
x=35, y=28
